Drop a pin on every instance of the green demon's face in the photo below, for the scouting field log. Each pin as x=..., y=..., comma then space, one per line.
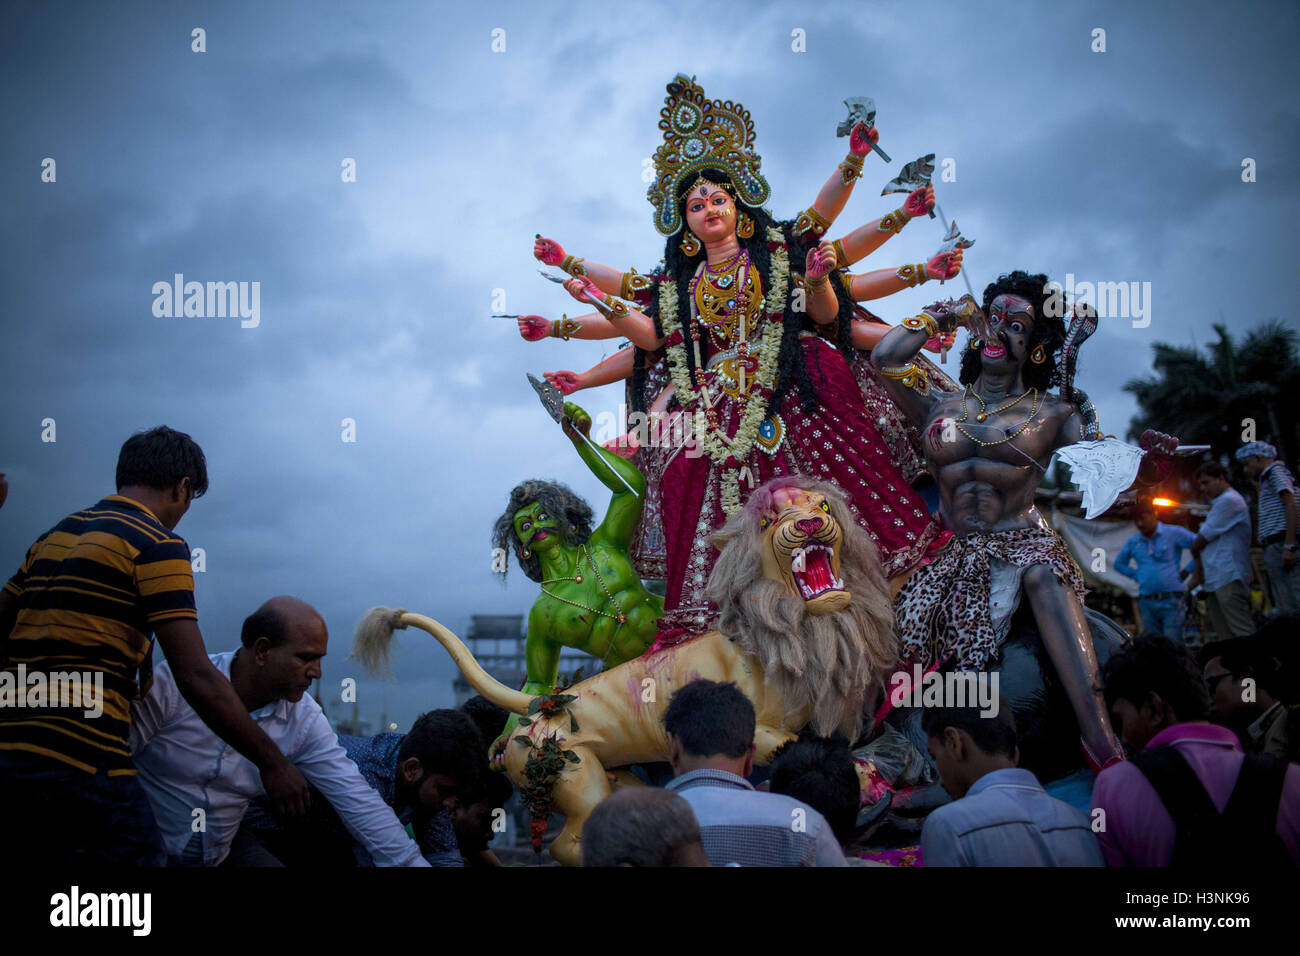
x=536, y=529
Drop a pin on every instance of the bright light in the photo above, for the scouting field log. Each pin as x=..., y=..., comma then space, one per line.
x=1163, y=502
x=392, y=726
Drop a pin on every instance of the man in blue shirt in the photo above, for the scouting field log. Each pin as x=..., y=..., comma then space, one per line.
x=711, y=748
x=1222, y=550
x=1000, y=815
x=1151, y=557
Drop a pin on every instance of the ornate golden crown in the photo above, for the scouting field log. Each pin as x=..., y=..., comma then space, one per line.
x=702, y=134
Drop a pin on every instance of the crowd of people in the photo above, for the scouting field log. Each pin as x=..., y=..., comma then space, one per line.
x=227, y=760
x=1220, y=550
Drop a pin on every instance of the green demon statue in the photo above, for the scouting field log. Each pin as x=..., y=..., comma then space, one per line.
x=592, y=598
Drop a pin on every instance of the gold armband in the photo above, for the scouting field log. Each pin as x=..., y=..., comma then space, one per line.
x=562, y=328
x=922, y=322
x=909, y=375
x=913, y=275
x=632, y=283
x=895, y=221
x=810, y=218
x=573, y=266
x=841, y=257
x=851, y=168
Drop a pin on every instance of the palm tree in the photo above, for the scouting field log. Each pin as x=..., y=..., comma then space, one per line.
x=1203, y=398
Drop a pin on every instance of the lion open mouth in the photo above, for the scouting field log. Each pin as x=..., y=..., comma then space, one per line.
x=816, y=578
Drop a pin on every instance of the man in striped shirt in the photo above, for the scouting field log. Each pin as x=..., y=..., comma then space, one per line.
x=1275, y=521
x=78, y=614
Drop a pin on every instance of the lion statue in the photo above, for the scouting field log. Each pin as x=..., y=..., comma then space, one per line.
x=805, y=630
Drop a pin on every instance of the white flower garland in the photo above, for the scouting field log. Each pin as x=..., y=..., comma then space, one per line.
x=719, y=447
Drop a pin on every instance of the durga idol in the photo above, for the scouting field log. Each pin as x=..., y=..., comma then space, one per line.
x=734, y=310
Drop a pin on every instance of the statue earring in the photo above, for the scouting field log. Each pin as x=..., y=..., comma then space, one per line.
x=1038, y=356
x=977, y=344
x=689, y=244
x=527, y=554
x=744, y=226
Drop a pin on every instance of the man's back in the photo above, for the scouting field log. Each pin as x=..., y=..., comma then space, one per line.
x=1139, y=829
x=738, y=824
x=1008, y=819
x=90, y=592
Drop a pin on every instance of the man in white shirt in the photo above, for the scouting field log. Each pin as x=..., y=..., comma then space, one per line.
x=1222, y=552
x=199, y=785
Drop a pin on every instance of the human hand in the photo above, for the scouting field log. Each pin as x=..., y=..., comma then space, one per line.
x=861, y=138
x=548, y=251
x=919, y=202
x=533, y=327
x=820, y=261
x=941, y=342
x=625, y=446
x=945, y=265
x=584, y=290
x=286, y=788
x=567, y=382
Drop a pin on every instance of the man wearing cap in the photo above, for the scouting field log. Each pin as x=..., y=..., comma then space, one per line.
x=1275, y=521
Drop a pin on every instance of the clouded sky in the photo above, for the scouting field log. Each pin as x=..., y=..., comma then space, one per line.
x=1115, y=166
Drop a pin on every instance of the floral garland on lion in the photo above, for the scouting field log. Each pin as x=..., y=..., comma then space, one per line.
x=544, y=765
x=731, y=453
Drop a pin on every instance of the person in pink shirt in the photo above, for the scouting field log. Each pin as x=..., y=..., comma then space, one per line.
x=1229, y=809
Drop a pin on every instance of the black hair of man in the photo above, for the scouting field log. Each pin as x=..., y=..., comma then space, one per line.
x=994, y=734
x=487, y=716
x=446, y=742
x=711, y=718
x=1153, y=664
x=1212, y=469
x=159, y=458
x=819, y=771
x=1242, y=656
x=267, y=622
x=638, y=826
x=494, y=789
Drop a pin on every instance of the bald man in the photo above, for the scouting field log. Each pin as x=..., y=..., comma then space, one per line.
x=199, y=786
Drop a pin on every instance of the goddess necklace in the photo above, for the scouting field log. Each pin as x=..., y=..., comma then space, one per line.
x=984, y=414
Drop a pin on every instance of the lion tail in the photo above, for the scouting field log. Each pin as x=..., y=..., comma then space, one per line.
x=373, y=642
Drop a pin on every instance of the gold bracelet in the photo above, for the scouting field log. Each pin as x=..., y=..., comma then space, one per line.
x=913, y=275
x=573, y=266
x=632, y=283
x=851, y=168
x=817, y=284
x=810, y=218
x=564, y=327
x=922, y=322
x=895, y=221
x=909, y=375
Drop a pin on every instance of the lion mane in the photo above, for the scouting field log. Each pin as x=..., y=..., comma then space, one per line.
x=827, y=664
